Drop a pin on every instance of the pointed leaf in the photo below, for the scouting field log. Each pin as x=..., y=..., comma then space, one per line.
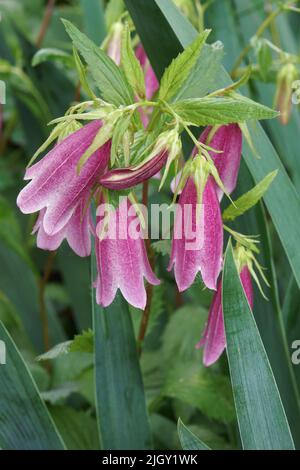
x=261, y=417
x=188, y=439
x=249, y=199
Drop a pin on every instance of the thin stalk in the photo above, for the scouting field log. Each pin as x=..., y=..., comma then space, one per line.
x=149, y=289
x=45, y=23
x=43, y=310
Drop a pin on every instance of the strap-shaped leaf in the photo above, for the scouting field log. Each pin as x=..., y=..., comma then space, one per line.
x=261, y=417
x=25, y=421
x=188, y=440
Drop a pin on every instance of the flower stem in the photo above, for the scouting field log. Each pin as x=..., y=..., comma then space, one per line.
x=43, y=310
x=45, y=23
x=149, y=289
x=266, y=23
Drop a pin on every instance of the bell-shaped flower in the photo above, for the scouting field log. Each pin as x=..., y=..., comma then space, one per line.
x=198, y=234
x=227, y=141
x=58, y=190
x=122, y=261
x=213, y=339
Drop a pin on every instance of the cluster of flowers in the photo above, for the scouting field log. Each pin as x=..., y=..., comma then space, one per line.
x=63, y=199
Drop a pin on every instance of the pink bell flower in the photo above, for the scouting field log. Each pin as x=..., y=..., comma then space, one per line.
x=213, y=339
x=60, y=193
x=122, y=261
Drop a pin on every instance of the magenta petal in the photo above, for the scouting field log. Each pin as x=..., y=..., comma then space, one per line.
x=45, y=241
x=123, y=178
x=213, y=338
x=206, y=253
x=76, y=231
x=228, y=139
x=151, y=81
x=55, y=183
x=122, y=262
x=247, y=285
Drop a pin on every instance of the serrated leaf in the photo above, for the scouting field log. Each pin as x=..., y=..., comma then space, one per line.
x=56, y=351
x=109, y=79
x=199, y=387
x=52, y=55
x=188, y=440
x=249, y=199
x=131, y=65
x=213, y=111
x=180, y=68
x=83, y=342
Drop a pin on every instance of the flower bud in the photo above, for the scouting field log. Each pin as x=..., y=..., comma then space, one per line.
x=283, y=99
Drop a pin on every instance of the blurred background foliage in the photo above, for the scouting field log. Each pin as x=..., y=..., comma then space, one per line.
x=45, y=299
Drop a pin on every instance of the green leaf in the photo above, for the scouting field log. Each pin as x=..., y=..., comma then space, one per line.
x=81, y=343
x=194, y=384
x=57, y=350
x=131, y=65
x=249, y=199
x=213, y=111
x=78, y=428
x=261, y=417
x=264, y=59
x=120, y=400
x=188, y=439
x=52, y=55
x=180, y=68
x=25, y=421
x=110, y=80
x=151, y=17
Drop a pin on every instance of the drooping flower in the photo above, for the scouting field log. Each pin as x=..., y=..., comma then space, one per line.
x=121, y=257
x=213, y=339
x=227, y=140
x=207, y=258
x=199, y=247
x=123, y=178
x=60, y=193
